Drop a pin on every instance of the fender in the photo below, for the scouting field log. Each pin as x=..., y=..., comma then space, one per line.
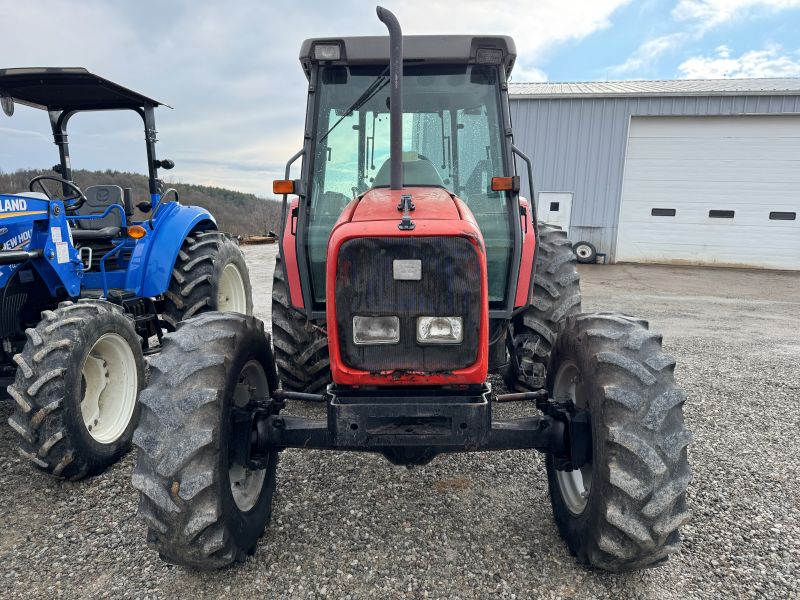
x=151, y=264
x=289, y=254
x=524, y=294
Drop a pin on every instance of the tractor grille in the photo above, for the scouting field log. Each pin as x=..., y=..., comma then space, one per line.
x=450, y=286
x=13, y=301
x=22, y=300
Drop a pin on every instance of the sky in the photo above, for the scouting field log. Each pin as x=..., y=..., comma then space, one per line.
x=230, y=68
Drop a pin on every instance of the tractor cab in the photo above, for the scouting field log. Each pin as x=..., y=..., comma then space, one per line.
x=456, y=137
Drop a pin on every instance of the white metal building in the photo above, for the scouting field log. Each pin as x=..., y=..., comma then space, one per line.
x=678, y=172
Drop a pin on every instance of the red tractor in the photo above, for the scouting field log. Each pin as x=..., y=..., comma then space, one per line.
x=410, y=268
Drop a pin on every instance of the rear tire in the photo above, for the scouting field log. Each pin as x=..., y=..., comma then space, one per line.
x=210, y=274
x=301, y=347
x=202, y=509
x=76, y=389
x=556, y=295
x=622, y=511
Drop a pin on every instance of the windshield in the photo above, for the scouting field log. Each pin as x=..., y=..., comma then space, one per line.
x=452, y=138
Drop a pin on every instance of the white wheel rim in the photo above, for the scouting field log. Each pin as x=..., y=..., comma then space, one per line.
x=246, y=484
x=575, y=485
x=583, y=251
x=110, y=385
x=231, y=295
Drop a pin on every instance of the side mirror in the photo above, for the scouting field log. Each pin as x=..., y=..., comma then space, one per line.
x=7, y=102
x=164, y=164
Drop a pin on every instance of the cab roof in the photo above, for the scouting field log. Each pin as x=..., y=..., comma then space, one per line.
x=68, y=88
x=435, y=49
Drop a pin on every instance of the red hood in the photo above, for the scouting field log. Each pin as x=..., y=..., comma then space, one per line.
x=431, y=203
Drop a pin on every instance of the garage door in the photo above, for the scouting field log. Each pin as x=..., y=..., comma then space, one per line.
x=712, y=191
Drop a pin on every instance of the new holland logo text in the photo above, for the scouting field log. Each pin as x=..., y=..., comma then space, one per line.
x=13, y=205
x=18, y=240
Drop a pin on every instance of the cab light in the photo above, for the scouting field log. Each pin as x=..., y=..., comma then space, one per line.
x=327, y=52
x=489, y=56
x=440, y=330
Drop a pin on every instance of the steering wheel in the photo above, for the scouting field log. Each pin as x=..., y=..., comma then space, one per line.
x=73, y=202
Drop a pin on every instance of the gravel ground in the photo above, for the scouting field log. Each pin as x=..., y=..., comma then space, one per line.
x=476, y=526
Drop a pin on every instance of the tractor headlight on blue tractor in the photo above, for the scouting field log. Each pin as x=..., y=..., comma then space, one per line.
x=376, y=330
x=440, y=330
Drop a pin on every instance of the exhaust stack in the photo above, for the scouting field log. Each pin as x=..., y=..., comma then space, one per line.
x=396, y=98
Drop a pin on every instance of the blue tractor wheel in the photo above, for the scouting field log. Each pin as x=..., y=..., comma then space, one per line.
x=210, y=274
x=76, y=389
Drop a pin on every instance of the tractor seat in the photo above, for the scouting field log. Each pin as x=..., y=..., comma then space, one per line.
x=417, y=170
x=98, y=199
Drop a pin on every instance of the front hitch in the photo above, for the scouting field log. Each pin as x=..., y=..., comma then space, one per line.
x=577, y=447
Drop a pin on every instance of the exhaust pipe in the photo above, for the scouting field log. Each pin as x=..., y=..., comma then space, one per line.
x=396, y=98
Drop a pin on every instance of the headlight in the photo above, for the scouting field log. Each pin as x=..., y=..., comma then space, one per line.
x=440, y=330
x=376, y=330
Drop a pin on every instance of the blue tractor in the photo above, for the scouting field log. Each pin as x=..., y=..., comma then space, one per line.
x=87, y=290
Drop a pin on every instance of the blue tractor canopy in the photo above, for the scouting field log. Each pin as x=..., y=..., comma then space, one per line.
x=65, y=91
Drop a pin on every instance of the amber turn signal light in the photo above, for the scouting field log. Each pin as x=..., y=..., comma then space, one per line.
x=283, y=186
x=136, y=232
x=505, y=184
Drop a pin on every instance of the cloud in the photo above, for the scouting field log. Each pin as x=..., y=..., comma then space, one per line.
x=230, y=69
x=771, y=61
x=648, y=53
x=709, y=13
x=695, y=18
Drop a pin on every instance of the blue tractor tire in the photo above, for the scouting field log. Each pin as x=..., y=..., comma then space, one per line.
x=76, y=389
x=210, y=274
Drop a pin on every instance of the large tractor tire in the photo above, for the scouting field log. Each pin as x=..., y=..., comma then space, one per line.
x=76, y=389
x=301, y=347
x=210, y=274
x=556, y=295
x=203, y=509
x=624, y=510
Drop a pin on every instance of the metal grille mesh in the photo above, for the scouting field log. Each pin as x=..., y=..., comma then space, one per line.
x=450, y=286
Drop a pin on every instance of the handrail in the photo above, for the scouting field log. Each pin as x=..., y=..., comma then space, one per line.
x=116, y=248
x=155, y=208
x=106, y=256
x=528, y=162
x=102, y=216
x=286, y=196
x=532, y=204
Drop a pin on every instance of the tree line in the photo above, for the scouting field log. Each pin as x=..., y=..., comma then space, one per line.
x=236, y=212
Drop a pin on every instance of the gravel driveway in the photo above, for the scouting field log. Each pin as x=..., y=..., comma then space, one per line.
x=476, y=526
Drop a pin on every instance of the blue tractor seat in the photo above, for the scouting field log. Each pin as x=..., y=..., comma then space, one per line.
x=98, y=199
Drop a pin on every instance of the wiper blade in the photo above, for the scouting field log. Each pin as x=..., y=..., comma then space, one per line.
x=376, y=86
